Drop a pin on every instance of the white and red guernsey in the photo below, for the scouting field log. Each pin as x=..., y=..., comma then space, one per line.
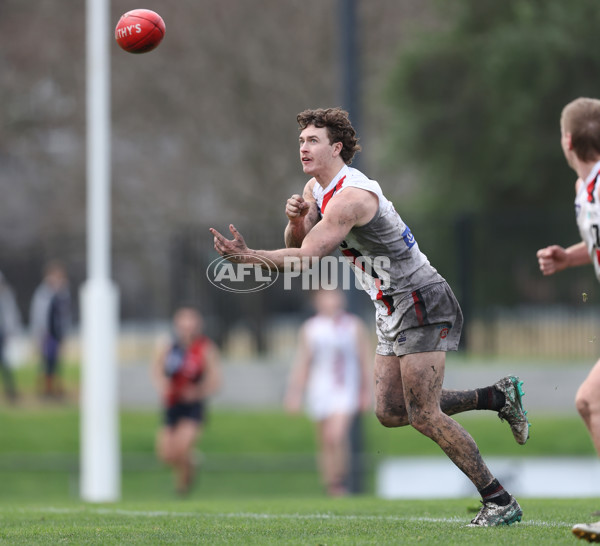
x=587, y=211
x=383, y=253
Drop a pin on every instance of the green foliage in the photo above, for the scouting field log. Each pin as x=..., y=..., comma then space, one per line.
x=477, y=104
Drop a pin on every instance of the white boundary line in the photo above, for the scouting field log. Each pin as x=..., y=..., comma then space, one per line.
x=263, y=516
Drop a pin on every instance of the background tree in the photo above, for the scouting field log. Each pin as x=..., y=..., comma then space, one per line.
x=476, y=105
x=475, y=114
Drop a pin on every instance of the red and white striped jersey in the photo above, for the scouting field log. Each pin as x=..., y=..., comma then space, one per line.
x=587, y=212
x=383, y=253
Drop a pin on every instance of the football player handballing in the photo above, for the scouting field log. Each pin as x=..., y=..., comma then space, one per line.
x=418, y=318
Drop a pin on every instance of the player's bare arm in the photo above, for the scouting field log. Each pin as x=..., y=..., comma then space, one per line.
x=157, y=371
x=351, y=207
x=212, y=380
x=299, y=375
x=302, y=214
x=554, y=258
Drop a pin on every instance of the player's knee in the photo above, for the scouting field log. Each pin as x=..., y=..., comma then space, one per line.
x=165, y=456
x=391, y=419
x=334, y=435
x=168, y=454
x=582, y=403
x=331, y=441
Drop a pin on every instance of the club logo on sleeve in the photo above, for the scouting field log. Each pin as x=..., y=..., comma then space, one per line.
x=408, y=237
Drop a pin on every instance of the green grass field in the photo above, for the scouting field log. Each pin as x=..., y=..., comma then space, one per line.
x=258, y=485
x=303, y=520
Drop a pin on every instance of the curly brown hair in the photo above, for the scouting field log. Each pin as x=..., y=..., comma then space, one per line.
x=339, y=128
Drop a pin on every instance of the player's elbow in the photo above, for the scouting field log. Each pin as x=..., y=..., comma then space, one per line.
x=310, y=255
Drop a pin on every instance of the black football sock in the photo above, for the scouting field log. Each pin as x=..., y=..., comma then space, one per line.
x=490, y=398
x=495, y=493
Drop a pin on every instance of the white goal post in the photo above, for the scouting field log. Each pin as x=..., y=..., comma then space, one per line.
x=100, y=473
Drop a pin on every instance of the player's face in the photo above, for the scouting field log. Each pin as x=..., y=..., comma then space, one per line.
x=316, y=152
x=187, y=324
x=329, y=302
x=56, y=279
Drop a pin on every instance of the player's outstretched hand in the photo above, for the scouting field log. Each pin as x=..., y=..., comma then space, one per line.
x=232, y=249
x=296, y=207
x=552, y=259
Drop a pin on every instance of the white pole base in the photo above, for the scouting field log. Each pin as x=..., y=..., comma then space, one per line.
x=100, y=473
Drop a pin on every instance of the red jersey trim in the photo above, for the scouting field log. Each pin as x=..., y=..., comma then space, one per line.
x=331, y=193
x=420, y=309
x=591, y=189
x=388, y=301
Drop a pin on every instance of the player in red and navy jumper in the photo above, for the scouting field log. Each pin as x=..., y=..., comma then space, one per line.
x=185, y=372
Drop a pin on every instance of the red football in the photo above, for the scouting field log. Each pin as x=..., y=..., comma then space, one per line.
x=140, y=30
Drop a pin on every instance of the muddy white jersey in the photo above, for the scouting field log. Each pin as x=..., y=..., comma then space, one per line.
x=587, y=212
x=383, y=253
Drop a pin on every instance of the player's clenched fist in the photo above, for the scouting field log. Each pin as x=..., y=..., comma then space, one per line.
x=296, y=207
x=552, y=259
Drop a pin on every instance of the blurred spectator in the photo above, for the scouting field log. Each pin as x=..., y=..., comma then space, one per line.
x=332, y=371
x=10, y=324
x=185, y=372
x=50, y=318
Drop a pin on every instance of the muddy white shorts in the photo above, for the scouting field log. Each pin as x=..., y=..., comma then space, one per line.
x=428, y=319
